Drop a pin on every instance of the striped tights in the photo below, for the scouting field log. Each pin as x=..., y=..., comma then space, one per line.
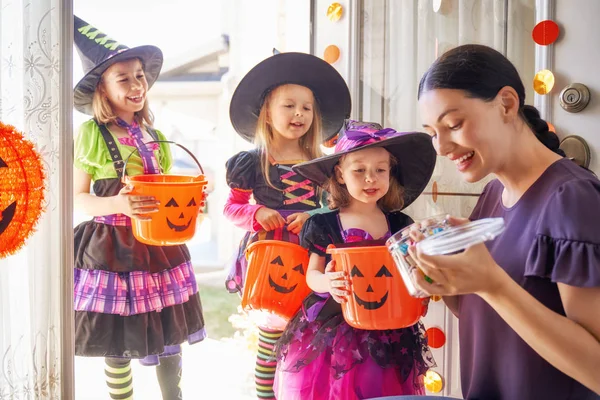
x=120, y=381
x=266, y=363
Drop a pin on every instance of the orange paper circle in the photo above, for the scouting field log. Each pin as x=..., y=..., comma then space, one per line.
x=551, y=127
x=543, y=82
x=435, y=297
x=545, y=33
x=331, y=142
x=22, y=180
x=433, y=382
x=435, y=337
x=334, y=12
x=331, y=54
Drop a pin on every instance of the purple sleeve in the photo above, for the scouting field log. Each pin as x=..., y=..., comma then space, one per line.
x=567, y=245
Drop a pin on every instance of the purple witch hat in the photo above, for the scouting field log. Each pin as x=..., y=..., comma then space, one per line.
x=98, y=52
x=413, y=151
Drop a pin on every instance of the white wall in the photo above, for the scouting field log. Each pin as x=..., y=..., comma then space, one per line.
x=254, y=28
x=576, y=59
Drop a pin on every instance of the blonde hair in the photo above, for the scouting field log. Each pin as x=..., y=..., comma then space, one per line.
x=263, y=138
x=339, y=197
x=104, y=114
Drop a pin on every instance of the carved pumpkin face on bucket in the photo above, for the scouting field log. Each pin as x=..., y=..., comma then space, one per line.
x=179, y=218
x=287, y=277
x=21, y=189
x=379, y=299
x=376, y=294
x=180, y=198
x=276, y=277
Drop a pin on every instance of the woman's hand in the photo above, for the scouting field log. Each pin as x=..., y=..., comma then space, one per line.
x=295, y=222
x=338, y=284
x=269, y=219
x=471, y=271
x=135, y=206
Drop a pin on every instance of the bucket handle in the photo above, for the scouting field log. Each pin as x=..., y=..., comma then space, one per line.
x=161, y=141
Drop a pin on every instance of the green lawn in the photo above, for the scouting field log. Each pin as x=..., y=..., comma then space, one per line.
x=218, y=305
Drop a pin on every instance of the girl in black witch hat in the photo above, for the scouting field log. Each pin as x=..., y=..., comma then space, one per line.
x=131, y=300
x=288, y=104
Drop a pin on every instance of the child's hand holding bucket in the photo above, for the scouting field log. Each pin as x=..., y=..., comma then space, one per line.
x=338, y=284
x=295, y=222
x=136, y=206
x=269, y=219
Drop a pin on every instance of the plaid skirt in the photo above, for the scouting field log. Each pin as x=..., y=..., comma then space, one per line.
x=132, y=300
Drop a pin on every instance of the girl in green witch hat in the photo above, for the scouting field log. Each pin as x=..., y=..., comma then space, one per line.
x=131, y=300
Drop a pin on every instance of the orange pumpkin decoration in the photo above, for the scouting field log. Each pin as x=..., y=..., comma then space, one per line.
x=21, y=189
x=378, y=299
x=276, y=277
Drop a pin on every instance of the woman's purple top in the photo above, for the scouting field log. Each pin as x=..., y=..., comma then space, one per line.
x=552, y=236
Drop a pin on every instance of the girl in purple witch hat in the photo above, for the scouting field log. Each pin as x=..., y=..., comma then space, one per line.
x=131, y=300
x=373, y=174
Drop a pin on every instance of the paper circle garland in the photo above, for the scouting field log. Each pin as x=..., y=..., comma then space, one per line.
x=543, y=82
x=433, y=382
x=545, y=32
x=435, y=338
x=331, y=54
x=22, y=189
x=434, y=194
x=335, y=11
x=331, y=142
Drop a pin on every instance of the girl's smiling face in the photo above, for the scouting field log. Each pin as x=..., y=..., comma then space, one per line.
x=366, y=174
x=124, y=85
x=291, y=111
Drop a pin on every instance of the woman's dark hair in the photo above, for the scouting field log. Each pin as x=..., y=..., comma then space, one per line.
x=481, y=72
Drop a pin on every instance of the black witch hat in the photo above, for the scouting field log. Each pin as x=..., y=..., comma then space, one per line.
x=98, y=52
x=328, y=86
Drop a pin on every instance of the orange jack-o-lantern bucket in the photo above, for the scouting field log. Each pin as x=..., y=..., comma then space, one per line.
x=276, y=277
x=180, y=198
x=378, y=298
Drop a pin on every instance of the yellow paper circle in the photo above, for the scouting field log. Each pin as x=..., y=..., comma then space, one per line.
x=435, y=297
x=543, y=82
x=334, y=12
x=331, y=54
x=433, y=382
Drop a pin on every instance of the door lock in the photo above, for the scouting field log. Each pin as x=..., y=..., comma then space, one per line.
x=574, y=97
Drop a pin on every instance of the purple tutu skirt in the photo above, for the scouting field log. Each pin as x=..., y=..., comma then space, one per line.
x=325, y=358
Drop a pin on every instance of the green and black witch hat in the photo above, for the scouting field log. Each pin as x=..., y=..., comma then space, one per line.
x=98, y=52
